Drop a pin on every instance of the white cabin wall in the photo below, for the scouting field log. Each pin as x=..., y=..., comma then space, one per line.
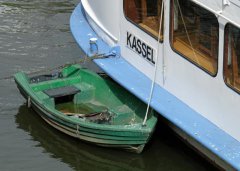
x=228, y=101
x=213, y=4
x=105, y=14
x=207, y=95
x=107, y=17
x=232, y=12
x=133, y=58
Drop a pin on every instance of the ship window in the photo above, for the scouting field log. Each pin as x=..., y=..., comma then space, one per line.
x=232, y=57
x=194, y=34
x=146, y=14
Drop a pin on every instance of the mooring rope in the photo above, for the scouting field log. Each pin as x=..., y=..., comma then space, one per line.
x=82, y=60
x=156, y=65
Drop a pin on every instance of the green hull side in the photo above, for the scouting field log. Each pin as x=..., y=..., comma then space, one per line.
x=120, y=133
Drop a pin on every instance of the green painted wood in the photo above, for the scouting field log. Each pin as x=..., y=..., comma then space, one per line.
x=119, y=117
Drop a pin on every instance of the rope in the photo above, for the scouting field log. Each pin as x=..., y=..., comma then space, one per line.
x=185, y=27
x=156, y=65
x=83, y=60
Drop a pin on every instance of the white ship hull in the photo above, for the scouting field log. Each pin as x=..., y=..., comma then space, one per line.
x=196, y=100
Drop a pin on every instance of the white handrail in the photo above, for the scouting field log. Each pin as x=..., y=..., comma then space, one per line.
x=217, y=13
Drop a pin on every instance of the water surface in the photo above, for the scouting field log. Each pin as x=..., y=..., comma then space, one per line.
x=34, y=35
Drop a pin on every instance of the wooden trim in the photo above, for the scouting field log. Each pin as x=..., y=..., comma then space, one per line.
x=225, y=58
x=231, y=72
x=203, y=60
x=144, y=9
x=201, y=36
x=171, y=22
x=234, y=63
x=130, y=9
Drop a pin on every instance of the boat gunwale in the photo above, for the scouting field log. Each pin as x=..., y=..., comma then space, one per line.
x=52, y=111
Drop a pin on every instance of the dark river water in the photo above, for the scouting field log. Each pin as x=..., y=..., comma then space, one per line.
x=34, y=35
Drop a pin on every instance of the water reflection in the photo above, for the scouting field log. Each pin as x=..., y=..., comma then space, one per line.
x=33, y=32
x=51, y=7
x=78, y=155
x=165, y=151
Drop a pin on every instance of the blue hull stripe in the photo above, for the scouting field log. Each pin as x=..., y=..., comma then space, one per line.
x=170, y=107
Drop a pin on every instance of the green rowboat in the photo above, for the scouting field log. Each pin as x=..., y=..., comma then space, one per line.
x=84, y=105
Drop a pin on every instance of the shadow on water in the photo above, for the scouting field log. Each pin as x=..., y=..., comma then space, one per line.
x=164, y=152
x=77, y=154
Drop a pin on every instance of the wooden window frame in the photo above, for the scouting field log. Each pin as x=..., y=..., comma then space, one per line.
x=232, y=74
x=146, y=29
x=210, y=52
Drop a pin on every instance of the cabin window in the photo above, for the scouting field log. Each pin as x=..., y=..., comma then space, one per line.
x=146, y=14
x=232, y=57
x=194, y=34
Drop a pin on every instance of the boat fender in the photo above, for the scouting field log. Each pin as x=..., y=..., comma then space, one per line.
x=29, y=102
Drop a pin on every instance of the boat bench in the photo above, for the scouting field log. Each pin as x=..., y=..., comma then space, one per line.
x=62, y=94
x=52, y=96
x=62, y=91
x=79, y=93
